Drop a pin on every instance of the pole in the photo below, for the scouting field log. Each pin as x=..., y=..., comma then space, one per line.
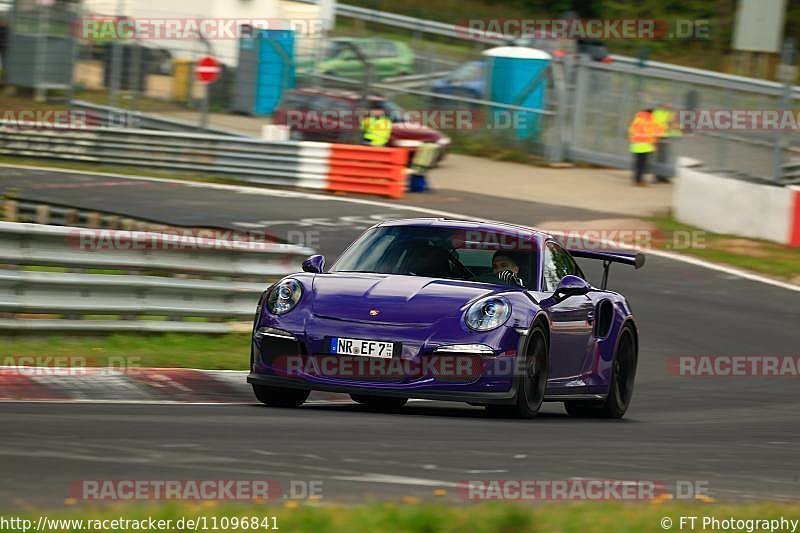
x=207, y=88
x=786, y=73
x=42, y=19
x=116, y=67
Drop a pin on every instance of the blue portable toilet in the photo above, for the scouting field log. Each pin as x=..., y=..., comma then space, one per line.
x=517, y=76
x=265, y=70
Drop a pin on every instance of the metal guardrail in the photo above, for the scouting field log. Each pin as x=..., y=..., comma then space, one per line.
x=107, y=116
x=314, y=165
x=706, y=77
x=417, y=24
x=103, y=280
x=288, y=163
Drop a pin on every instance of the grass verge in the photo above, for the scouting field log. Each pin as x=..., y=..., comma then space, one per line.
x=755, y=255
x=508, y=518
x=187, y=350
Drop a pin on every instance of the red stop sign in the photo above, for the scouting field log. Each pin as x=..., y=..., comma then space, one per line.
x=207, y=70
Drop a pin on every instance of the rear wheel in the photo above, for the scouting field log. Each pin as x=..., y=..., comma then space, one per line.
x=620, y=391
x=280, y=396
x=379, y=402
x=532, y=381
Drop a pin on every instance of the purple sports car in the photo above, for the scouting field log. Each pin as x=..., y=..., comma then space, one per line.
x=486, y=313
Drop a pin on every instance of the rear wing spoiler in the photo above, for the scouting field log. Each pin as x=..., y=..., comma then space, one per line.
x=634, y=259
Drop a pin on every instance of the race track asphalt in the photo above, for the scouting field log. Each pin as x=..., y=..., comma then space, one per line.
x=741, y=435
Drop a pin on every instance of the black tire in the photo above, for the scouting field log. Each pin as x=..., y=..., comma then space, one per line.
x=280, y=396
x=383, y=403
x=531, y=381
x=620, y=390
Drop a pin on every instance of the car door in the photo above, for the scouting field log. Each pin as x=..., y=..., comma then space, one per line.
x=571, y=319
x=325, y=120
x=293, y=113
x=385, y=60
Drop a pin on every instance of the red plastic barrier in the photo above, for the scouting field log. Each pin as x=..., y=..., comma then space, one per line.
x=367, y=170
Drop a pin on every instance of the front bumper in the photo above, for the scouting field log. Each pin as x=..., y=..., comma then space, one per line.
x=300, y=360
x=477, y=397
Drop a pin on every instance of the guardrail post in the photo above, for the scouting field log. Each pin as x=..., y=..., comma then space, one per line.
x=579, y=95
x=42, y=214
x=10, y=211
x=556, y=149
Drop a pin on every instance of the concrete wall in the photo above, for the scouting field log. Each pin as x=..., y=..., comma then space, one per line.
x=736, y=207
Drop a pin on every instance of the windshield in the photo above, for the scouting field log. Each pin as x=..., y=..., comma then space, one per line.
x=446, y=253
x=334, y=48
x=394, y=112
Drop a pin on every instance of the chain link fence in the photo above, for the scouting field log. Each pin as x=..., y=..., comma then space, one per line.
x=606, y=96
x=441, y=80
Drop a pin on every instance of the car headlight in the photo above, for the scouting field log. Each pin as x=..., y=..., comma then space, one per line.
x=284, y=296
x=488, y=314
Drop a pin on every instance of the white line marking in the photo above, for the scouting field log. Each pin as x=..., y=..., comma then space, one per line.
x=435, y=212
x=396, y=480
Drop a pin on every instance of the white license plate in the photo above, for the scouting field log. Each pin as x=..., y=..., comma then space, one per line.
x=363, y=348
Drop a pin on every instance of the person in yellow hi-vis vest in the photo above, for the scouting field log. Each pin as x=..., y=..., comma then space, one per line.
x=643, y=134
x=666, y=119
x=376, y=128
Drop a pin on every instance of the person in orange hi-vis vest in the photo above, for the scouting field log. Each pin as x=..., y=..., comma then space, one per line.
x=643, y=134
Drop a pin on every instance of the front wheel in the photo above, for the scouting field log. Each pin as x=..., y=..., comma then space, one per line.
x=382, y=403
x=531, y=381
x=280, y=396
x=620, y=390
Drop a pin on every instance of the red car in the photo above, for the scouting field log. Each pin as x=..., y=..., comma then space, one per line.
x=329, y=115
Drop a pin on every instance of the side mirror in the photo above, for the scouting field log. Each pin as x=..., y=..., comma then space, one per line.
x=568, y=286
x=571, y=286
x=314, y=264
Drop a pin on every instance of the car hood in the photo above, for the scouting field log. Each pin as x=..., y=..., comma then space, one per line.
x=397, y=299
x=413, y=130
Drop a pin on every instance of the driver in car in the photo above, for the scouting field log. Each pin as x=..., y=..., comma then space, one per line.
x=506, y=268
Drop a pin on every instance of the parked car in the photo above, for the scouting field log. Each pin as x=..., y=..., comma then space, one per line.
x=440, y=309
x=332, y=115
x=468, y=80
x=389, y=58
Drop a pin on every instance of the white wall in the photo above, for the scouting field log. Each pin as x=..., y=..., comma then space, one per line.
x=731, y=206
x=225, y=49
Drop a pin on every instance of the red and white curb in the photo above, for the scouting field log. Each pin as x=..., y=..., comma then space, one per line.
x=139, y=385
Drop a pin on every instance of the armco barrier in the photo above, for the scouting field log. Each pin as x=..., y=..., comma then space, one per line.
x=314, y=165
x=197, y=286
x=736, y=207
